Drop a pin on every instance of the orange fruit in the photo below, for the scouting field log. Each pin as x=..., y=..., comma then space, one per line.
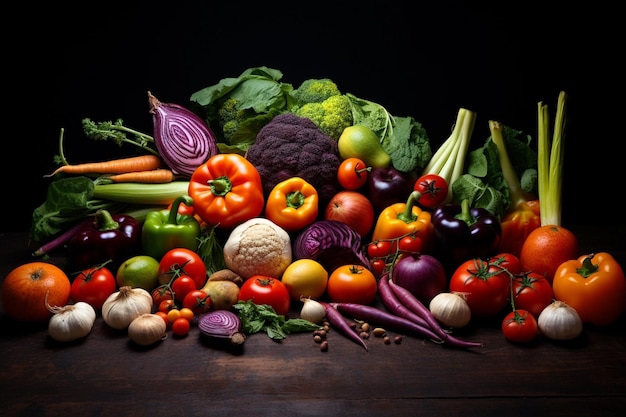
x=546, y=248
x=25, y=288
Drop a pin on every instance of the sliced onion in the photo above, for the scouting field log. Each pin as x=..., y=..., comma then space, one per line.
x=222, y=324
x=181, y=136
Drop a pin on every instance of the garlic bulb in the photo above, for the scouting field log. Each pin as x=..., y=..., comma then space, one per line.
x=312, y=310
x=71, y=322
x=147, y=329
x=125, y=305
x=450, y=309
x=559, y=321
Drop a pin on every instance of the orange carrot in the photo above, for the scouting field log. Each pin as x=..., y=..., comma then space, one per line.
x=153, y=176
x=114, y=166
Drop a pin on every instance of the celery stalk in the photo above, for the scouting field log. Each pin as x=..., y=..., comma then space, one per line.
x=550, y=162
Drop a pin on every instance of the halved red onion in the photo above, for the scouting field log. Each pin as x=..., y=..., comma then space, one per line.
x=182, y=138
x=222, y=324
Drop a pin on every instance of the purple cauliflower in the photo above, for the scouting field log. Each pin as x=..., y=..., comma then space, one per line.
x=293, y=146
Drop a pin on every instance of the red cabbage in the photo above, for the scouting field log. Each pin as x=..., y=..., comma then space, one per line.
x=182, y=138
x=331, y=243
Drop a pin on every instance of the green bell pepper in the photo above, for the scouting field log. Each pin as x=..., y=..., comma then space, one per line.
x=167, y=229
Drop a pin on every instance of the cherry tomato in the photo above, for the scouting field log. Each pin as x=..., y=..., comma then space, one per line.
x=93, y=286
x=352, y=284
x=182, y=286
x=161, y=293
x=163, y=316
x=379, y=249
x=378, y=266
x=532, y=292
x=173, y=315
x=182, y=261
x=485, y=285
x=520, y=326
x=181, y=326
x=166, y=305
x=508, y=261
x=197, y=301
x=434, y=189
x=262, y=289
x=187, y=313
x=410, y=244
x=352, y=173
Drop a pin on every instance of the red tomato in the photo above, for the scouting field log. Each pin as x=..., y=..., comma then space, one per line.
x=353, y=209
x=166, y=305
x=182, y=261
x=532, y=292
x=182, y=286
x=163, y=316
x=352, y=284
x=161, y=293
x=378, y=249
x=352, y=173
x=485, y=285
x=434, y=189
x=262, y=289
x=520, y=326
x=197, y=301
x=378, y=266
x=410, y=244
x=508, y=261
x=181, y=326
x=93, y=286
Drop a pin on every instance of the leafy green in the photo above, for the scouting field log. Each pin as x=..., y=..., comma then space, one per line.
x=262, y=317
x=409, y=146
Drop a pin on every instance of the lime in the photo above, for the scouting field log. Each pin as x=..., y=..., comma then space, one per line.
x=139, y=271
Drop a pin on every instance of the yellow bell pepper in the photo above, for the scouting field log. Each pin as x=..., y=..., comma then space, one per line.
x=403, y=219
x=292, y=204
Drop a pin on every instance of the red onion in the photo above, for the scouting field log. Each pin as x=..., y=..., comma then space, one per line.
x=423, y=275
x=182, y=138
x=222, y=325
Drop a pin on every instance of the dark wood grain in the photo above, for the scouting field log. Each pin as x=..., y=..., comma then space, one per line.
x=105, y=375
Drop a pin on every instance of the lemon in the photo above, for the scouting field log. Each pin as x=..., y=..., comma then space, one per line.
x=361, y=142
x=140, y=271
x=305, y=278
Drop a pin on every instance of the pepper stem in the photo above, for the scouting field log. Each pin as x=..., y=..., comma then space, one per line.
x=220, y=186
x=407, y=215
x=588, y=267
x=465, y=213
x=104, y=220
x=172, y=218
x=295, y=199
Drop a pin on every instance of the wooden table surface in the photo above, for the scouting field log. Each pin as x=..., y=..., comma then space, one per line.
x=105, y=375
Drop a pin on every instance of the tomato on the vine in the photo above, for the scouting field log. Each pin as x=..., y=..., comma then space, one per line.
x=352, y=173
x=352, y=284
x=378, y=249
x=93, y=286
x=532, y=292
x=182, y=286
x=485, y=285
x=161, y=293
x=378, y=266
x=520, y=326
x=410, y=244
x=197, y=301
x=508, y=261
x=262, y=289
x=166, y=305
x=182, y=261
x=434, y=190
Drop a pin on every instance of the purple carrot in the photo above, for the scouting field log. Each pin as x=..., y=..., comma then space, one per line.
x=339, y=322
x=414, y=304
x=383, y=318
x=393, y=305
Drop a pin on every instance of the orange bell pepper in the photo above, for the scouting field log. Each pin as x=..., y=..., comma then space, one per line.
x=517, y=225
x=402, y=219
x=594, y=285
x=226, y=190
x=292, y=204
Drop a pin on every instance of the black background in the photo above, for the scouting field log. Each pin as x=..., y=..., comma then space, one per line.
x=64, y=63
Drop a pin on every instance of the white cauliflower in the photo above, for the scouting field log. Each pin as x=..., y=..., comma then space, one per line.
x=258, y=247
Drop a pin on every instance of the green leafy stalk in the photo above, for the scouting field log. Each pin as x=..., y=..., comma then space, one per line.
x=118, y=133
x=550, y=162
x=449, y=160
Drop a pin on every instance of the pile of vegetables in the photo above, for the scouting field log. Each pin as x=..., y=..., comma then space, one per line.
x=243, y=177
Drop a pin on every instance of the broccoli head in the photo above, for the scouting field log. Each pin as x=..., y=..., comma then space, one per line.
x=331, y=116
x=230, y=116
x=293, y=146
x=315, y=90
